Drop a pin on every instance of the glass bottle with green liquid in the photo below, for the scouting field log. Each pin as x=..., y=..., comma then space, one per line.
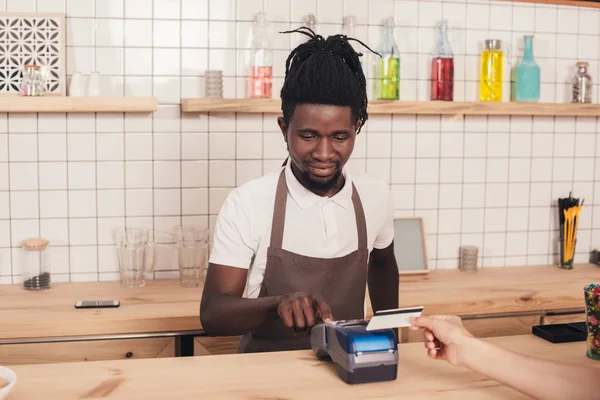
x=387, y=68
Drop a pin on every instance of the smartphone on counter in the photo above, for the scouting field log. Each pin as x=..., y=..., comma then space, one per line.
x=97, y=304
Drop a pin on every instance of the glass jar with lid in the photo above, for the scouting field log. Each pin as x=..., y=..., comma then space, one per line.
x=582, y=84
x=32, y=81
x=492, y=71
x=35, y=265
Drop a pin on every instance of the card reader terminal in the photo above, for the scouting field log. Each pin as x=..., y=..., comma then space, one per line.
x=360, y=356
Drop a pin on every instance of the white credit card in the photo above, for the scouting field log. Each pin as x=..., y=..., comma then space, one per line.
x=398, y=318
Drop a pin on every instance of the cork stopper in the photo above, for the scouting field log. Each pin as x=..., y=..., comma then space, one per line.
x=34, y=244
x=32, y=67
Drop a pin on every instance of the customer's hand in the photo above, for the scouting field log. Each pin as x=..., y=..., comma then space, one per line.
x=301, y=311
x=445, y=337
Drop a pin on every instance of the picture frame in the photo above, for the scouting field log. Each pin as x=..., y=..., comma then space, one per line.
x=33, y=38
x=410, y=246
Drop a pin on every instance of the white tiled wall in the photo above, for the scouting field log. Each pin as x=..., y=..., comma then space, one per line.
x=491, y=182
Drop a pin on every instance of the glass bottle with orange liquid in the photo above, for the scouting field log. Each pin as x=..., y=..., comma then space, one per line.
x=260, y=74
x=492, y=63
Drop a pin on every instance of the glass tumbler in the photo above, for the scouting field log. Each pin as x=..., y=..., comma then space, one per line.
x=468, y=258
x=34, y=264
x=592, y=314
x=132, y=250
x=192, y=254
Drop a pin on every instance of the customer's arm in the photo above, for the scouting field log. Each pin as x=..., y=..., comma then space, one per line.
x=446, y=338
x=540, y=379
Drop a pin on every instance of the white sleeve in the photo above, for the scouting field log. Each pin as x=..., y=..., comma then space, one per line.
x=233, y=245
x=385, y=236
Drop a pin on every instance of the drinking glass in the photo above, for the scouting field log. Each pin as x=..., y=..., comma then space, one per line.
x=192, y=252
x=592, y=314
x=468, y=258
x=132, y=251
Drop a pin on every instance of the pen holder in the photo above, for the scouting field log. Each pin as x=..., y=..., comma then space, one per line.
x=566, y=263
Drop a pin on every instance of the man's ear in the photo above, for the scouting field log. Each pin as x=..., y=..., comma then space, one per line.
x=283, y=127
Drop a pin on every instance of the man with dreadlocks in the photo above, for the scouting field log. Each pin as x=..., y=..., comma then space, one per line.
x=305, y=242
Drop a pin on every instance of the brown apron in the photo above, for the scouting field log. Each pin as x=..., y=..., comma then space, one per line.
x=341, y=281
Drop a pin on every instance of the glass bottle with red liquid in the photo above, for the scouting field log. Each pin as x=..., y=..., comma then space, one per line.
x=442, y=67
x=260, y=74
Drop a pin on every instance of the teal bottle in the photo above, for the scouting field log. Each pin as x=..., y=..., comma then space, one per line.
x=527, y=75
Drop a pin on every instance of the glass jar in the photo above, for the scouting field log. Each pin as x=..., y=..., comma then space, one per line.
x=492, y=71
x=35, y=266
x=592, y=314
x=582, y=84
x=31, y=83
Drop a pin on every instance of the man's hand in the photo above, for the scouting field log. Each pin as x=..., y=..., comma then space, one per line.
x=445, y=337
x=302, y=311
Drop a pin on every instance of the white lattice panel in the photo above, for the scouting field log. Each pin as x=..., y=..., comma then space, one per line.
x=32, y=39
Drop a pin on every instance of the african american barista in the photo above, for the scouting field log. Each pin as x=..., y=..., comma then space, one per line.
x=305, y=242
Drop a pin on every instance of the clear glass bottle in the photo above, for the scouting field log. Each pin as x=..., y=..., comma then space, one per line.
x=310, y=21
x=387, y=68
x=349, y=29
x=492, y=72
x=442, y=67
x=582, y=84
x=260, y=70
x=527, y=75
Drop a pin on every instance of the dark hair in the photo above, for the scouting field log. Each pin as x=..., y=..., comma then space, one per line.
x=325, y=71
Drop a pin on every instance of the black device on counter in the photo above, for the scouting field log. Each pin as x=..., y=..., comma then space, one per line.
x=562, y=333
x=97, y=304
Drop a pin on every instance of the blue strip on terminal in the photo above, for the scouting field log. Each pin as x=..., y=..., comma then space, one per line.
x=367, y=344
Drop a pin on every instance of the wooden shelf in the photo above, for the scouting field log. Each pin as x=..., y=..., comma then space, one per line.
x=273, y=106
x=573, y=3
x=65, y=104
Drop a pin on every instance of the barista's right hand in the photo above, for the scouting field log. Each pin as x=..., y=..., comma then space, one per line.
x=302, y=311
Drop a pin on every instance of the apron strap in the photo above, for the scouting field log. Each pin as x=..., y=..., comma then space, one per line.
x=279, y=212
x=280, y=208
x=361, y=221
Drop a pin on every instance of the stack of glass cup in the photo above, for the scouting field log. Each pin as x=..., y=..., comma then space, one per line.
x=135, y=252
x=214, y=84
x=192, y=252
x=468, y=258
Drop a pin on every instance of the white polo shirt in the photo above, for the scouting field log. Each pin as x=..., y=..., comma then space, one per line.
x=315, y=226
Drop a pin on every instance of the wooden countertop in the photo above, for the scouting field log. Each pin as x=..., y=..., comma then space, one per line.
x=269, y=376
x=164, y=306
x=500, y=290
